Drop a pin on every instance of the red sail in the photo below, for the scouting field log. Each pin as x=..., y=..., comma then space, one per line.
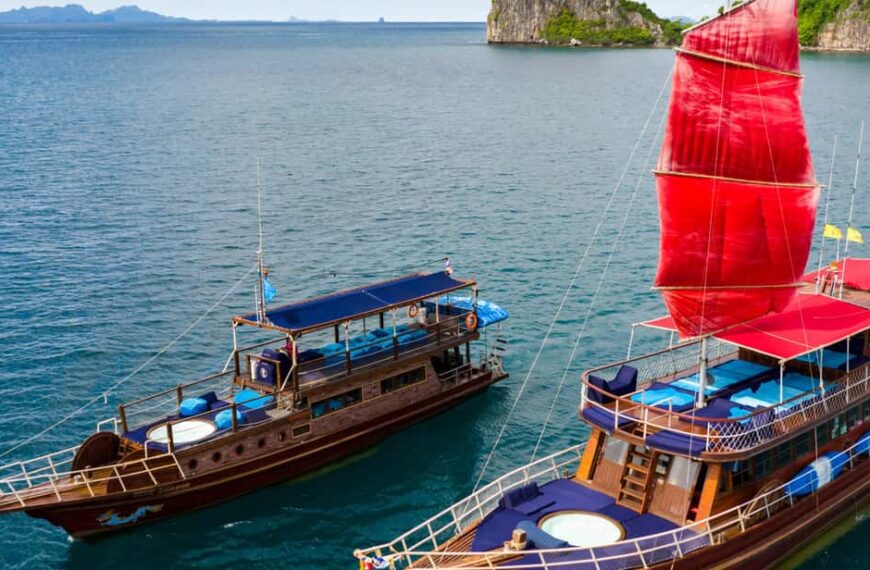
x=737, y=192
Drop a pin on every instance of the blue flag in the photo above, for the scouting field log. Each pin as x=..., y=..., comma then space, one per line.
x=269, y=292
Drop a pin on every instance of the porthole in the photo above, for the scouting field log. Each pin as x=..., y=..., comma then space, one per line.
x=261, y=443
x=282, y=436
x=216, y=456
x=240, y=449
x=192, y=464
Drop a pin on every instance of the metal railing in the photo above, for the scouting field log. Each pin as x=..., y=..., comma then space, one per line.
x=411, y=549
x=718, y=435
x=35, y=480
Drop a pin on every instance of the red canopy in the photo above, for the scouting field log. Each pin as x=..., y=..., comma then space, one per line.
x=737, y=193
x=810, y=323
x=857, y=274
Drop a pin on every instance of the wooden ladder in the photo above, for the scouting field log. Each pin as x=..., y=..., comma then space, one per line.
x=637, y=474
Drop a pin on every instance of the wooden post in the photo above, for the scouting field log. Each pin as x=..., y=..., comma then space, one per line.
x=295, y=373
x=468, y=353
x=237, y=363
x=347, y=347
x=122, y=413
x=337, y=337
x=235, y=420
x=179, y=394
x=381, y=319
x=169, y=436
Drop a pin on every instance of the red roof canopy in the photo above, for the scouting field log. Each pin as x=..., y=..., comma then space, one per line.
x=857, y=274
x=810, y=323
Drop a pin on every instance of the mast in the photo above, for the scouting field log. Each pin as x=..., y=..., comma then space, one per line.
x=261, y=294
x=852, y=208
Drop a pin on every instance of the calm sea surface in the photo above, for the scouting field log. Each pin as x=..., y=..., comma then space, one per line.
x=128, y=206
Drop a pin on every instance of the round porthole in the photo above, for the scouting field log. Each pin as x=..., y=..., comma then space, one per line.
x=240, y=449
x=282, y=436
x=192, y=464
x=261, y=443
x=216, y=456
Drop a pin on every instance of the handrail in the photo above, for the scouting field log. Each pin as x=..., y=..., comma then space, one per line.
x=703, y=533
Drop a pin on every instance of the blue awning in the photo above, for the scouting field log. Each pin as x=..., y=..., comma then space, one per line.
x=328, y=310
x=487, y=313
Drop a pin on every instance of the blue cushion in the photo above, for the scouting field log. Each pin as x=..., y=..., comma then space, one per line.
x=538, y=538
x=625, y=381
x=192, y=406
x=534, y=505
x=863, y=445
x=520, y=495
x=252, y=399
x=224, y=419
x=210, y=398
x=595, y=395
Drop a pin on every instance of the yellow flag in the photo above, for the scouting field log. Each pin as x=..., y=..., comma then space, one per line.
x=833, y=232
x=854, y=235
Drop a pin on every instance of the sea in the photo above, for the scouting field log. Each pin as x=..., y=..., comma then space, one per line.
x=130, y=159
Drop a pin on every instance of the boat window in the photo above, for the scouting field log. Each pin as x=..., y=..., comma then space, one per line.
x=802, y=444
x=838, y=426
x=615, y=450
x=782, y=455
x=853, y=417
x=823, y=433
x=336, y=403
x=683, y=473
x=301, y=430
x=867, y=410
x=761, y=464
x=741, y=474
x=402, y=380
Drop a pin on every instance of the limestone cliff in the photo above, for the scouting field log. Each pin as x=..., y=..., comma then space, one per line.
x=849, y=30
x=578, y=22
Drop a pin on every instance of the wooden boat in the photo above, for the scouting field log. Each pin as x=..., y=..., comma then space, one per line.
x=739, y=444
x=345, y=370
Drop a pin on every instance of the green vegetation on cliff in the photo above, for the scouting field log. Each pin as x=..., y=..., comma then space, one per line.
x=566, y=26
x=814, y=14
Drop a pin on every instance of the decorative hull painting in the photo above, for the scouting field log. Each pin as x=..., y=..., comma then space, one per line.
x=736, y=187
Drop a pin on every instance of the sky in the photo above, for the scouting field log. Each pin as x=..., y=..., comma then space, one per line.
x=348, y=10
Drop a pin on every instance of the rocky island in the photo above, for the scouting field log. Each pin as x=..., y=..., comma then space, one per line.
x=824, y=24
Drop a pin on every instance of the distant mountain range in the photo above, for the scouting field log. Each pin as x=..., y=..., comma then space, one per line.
x=77, y=14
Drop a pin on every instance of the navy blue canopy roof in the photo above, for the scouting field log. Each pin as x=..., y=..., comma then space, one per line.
x=356, y=303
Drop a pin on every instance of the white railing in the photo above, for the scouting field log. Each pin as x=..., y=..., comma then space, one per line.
x=49, y=475
x=407, y=550
x=726, y=436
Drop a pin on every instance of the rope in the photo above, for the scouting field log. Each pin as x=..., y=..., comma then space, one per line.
x=141, y=367
x=601, y=281
x=571, y=284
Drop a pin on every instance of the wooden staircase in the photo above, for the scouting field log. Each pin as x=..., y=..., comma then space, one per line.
x=637, y=476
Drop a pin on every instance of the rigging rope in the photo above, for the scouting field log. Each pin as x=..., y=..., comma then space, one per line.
x=601, y=281
x=141, y=367
x=571, y=284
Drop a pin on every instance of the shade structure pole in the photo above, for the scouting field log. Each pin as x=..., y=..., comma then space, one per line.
x=781, y=377
x=630, y=342
x=852, y=208
x=825, y=219
x=702, y=374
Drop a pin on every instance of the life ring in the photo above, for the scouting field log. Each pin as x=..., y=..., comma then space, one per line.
x=412, y=311
x=471, y=321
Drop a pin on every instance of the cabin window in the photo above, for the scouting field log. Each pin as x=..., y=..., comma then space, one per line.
x=802, y=445
x=867, y=410
x=838, y=426
x=336, y=403
x=402, y=380
x=741, y=474
x=683, y=473
x=615, y=450
x=761, y=465
x=823, y=434
x=853, y=417
x=782, y=455
x=299, y=431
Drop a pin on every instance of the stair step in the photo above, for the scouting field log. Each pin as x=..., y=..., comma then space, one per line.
x=637, y=467
x=639, y=495
x=639, y=481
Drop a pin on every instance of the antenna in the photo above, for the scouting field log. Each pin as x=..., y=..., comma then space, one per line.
x=852, y=206
x=825, y=222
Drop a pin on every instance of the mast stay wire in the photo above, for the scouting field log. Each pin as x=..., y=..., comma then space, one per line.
x=601, y=280
x=572, y=282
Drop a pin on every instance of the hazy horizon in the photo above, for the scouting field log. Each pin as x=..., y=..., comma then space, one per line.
x=347, y=10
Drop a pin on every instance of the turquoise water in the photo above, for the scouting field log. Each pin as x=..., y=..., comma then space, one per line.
x=128, y=174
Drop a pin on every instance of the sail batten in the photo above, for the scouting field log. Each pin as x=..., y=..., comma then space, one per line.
x=736, y=187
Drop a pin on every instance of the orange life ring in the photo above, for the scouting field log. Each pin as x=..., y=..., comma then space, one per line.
x=412, y=311
x=471, y=321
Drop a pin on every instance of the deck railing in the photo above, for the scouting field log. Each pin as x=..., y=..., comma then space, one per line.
x=49, y=477
x=722, y=436
x=412, y=549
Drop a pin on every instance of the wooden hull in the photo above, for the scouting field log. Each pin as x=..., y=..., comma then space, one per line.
x=788, y=532
x=93, y=517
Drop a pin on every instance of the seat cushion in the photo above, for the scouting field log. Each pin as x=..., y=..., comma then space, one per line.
x=224, y=419
x=192, y=406
x=538, y=538
x=252, y=399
